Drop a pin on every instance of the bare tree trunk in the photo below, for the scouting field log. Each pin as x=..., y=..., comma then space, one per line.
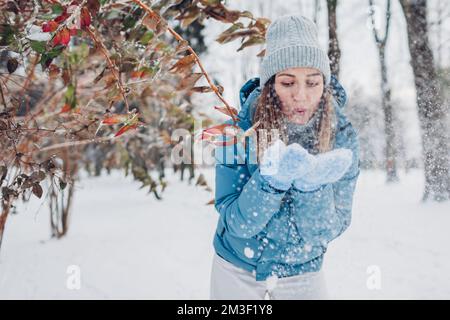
x=432, y=113
x=60, y=210
x=389, y=130
x=316, y=10
x=439, y=35
x=334, y=53
x=60, y=206
x=5, y=208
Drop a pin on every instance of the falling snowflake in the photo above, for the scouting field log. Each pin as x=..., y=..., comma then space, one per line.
x=249, y=253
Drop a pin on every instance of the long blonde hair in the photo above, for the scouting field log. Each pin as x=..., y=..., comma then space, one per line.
x=268, y=113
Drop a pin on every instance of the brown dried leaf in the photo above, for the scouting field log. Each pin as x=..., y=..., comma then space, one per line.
x=209, y=2
x=100, y=76
x=49, y=165
x=165, y=137
x=262, y=53
x=188, y=16
x=182, y=46
x=37, y=190
x=3, y=125
x=189, y=81
x=246, y=14
x=234, y=27
x=201, y=181
x=225, y=38
x=25, y=181
x=220, y=89
x=151, y=20
x=3, y=172
x=127, y=64
x=232, y=112
x=202, y=89
x=262, y=24
x=109, y=80
x=62, y=184
x=53, y=71
x=161, y=27
x=37, y=176
x=184, y=63
x=12, y=65
x=220, y=13
x=147, y=92
x=251, y=42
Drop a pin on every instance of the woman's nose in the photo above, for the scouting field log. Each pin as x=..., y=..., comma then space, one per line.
x=299, y=95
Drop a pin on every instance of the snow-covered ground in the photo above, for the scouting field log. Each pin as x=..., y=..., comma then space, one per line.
x=125, y=244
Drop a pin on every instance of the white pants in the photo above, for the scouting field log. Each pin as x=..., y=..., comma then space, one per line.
x=229, y=282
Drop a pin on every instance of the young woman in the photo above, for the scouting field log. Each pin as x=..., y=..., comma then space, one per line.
x=282, y=198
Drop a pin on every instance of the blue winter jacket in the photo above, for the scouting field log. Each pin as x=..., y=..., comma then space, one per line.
x=268, y=231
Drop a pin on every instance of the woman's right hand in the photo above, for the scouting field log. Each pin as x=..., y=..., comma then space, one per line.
x=330, y=167
x=281, y=165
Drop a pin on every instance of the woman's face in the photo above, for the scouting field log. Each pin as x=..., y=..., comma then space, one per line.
x=299, y=90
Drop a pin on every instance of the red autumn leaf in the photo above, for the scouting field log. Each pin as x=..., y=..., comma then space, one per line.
x=73, y=31
x=85, y=18
x=65, y=36
x=140, y=74
x=114, y=119
x=129, y=121
x=125, y=128
x=57, y=39
x=49, y=26
x=93, y=7
x=62, y=17
x=136, y=74
x=65, y=108
x=62, y=37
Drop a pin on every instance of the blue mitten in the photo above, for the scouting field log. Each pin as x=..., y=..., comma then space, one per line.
x=330, y=167
x=281, y=164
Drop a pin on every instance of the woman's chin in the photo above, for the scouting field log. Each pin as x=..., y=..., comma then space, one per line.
x=298, y=120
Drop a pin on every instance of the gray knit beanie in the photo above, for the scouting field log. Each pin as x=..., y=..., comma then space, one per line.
x=292, y=41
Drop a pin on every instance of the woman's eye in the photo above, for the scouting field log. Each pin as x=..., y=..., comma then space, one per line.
x=312, y=84
x=287, y=84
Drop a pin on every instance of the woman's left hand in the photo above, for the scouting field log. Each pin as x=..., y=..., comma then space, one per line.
x=330, y=167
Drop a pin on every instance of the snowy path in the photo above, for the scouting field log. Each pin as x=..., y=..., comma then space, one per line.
x=128, y=245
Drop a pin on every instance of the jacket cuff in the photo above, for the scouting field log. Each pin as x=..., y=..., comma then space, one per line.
x=305, y=186
x=275, y=183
